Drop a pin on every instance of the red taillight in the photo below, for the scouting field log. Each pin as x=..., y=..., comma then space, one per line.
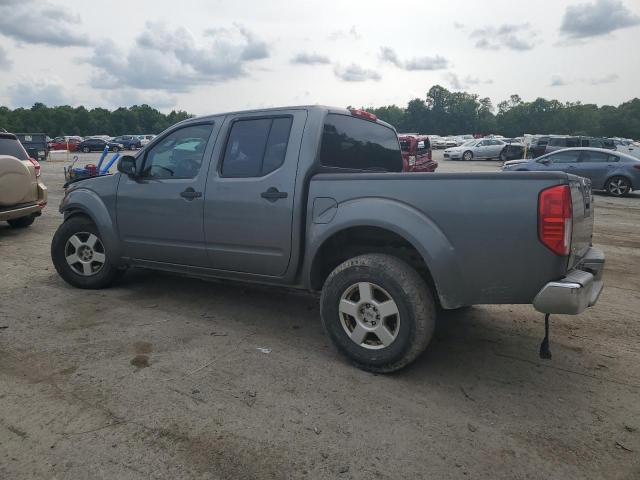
x=36, y=166
x=363, y=114
x=555, y=219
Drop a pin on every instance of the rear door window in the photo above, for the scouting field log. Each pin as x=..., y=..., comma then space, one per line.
x=423, y=147
x=256, y=147
x=356, y=144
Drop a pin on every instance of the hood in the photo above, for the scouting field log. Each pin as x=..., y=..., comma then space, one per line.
x=453, y=149
x=515, y=162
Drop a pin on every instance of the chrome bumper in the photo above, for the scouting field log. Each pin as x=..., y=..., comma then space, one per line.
x=577, y=291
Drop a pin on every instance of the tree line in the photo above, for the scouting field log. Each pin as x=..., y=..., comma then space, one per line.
x=66, y=120
x=441, y=112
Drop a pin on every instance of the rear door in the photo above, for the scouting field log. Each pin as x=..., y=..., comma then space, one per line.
x=596, y=166
x=248, y=211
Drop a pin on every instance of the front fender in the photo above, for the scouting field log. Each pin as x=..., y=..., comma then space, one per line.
x=408, y=222
x=85, y=201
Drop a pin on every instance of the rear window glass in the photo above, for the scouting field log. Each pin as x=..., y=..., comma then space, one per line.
x=405, y=145
x=12, y=147
x=352, y=143
x=423, y=147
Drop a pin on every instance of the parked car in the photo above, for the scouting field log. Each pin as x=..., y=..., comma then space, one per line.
x=301, y=196
x=558, y=142
x=437, y=142
x=97, y=145
x=145, y=139
x=615, y=172
x=130, y=142
x=36, y=144
x=484, y=148
x=23, y=195
x=512, y=150
x=416, y=153
x=450, y=142
x=65, y=143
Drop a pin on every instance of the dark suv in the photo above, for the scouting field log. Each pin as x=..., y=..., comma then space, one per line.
x=548, y=144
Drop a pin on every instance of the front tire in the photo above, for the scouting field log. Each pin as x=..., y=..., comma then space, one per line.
x=467, y=156
x=115, y=149
x=80, y=256
x=618, y=186
x=378, y=312
x=86, y=149
x=22, y=222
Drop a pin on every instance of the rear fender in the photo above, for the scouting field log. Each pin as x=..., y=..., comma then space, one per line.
x=408, y=222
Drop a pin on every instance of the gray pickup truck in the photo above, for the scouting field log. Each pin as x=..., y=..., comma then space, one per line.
x=314, y=198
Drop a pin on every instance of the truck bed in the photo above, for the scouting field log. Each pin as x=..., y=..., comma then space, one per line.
x=480, y=235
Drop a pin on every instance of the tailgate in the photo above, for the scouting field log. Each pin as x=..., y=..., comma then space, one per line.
x=582, y=218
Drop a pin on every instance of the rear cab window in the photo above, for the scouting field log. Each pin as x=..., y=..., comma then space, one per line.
x=354, y=144
x=9, y=145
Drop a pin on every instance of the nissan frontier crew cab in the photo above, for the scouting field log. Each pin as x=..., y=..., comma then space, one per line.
x=314, y=198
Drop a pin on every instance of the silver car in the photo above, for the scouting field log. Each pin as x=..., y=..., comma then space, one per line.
x=477, y=148
x=615, y=172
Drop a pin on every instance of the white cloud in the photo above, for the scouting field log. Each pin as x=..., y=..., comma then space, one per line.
x=595, y=19
x=437, y=62
x=174, y=60
x=510, y=36
x=40, y=22
x=310, y=58
x=355, y=73
x=50, y=91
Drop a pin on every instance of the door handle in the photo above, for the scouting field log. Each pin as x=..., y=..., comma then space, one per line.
x=190, y=194
x=272, y=194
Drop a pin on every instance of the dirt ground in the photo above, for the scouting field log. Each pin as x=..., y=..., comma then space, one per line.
x=171, y=377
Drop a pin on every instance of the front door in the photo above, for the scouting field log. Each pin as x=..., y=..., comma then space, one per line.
x=248, y=211
x=564, y=161
x=160, y=212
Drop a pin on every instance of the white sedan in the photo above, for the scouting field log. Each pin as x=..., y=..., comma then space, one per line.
x=477, y=148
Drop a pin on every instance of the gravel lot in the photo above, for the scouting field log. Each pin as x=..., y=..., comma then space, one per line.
x=170, y=377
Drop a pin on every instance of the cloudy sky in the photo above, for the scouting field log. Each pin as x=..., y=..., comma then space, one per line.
x=207, y=56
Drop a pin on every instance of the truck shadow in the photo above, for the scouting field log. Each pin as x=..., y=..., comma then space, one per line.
x=495, y=345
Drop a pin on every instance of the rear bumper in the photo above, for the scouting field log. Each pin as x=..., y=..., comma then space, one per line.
x=577, y=291
x=18, y=212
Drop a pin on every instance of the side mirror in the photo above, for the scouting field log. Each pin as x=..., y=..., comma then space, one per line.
x=545, y=161
x=127, y=165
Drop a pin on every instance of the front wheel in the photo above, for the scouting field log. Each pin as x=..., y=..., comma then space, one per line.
x=618, y=186
x=115, y=149
x=378, y=312
x=503, y=157
x=86, y=149
x=467, y=156
x=80, y=256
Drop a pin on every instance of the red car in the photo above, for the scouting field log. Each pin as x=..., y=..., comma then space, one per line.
x=416, y=153
x=61, y=143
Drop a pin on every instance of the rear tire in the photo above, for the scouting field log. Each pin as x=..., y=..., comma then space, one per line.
x=618, y=186
x=392, y=312
x=86, y=149
x=22, y=222
x=100, y=273
x=467, y=156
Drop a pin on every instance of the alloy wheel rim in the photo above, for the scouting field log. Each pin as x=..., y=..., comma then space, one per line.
x=618, y=187
x=369, y=315
x=85, y=254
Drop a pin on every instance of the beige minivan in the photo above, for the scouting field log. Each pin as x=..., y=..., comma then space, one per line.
x=23, y=195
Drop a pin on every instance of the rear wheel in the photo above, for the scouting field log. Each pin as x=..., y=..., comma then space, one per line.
x=80, y=256
x=22, y=222
x=115, y=149
x=467, y=156
x=618, y=186
x=378, y=312
x=86, y=149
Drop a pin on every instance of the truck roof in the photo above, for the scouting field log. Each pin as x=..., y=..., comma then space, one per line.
x=324, y=108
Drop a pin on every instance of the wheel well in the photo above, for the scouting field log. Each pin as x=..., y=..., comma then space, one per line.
x=77, y=213
x=355, y=241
